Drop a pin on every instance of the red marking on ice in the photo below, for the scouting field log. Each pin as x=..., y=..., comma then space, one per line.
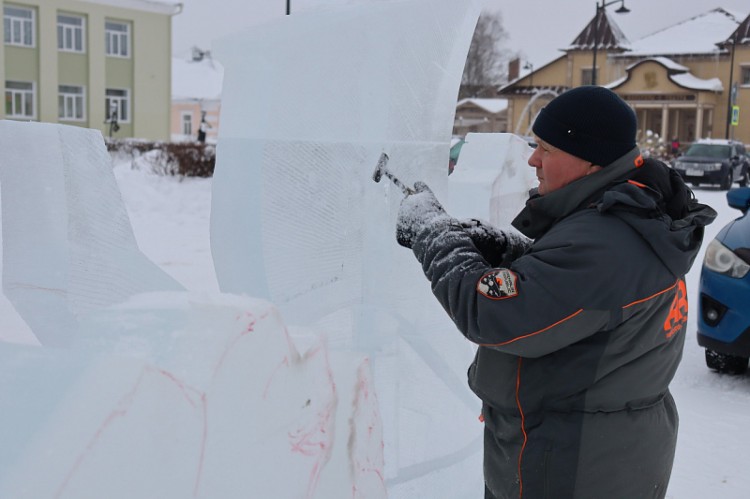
x=202, y=459
x=204, y=409
x=121, y=410
x=184, y=389
x=23, y=285
x=284, y=363
x=248, y=328
x=365, y=455
x=314, y=438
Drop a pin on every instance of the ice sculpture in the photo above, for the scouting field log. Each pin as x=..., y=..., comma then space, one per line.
x=161, y=394
x=492, y=178
x=65, y=229
x=309, y=104
x=296, y=217
x=182, y=395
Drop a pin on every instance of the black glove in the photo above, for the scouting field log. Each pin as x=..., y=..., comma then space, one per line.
x=492, y=243
x=417, y=211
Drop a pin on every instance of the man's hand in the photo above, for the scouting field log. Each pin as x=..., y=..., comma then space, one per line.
x=492, y=243
x=417, y=210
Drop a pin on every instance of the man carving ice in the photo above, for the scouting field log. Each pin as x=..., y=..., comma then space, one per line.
x=580, y=326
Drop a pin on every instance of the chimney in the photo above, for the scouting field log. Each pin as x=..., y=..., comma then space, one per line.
x=514, y=69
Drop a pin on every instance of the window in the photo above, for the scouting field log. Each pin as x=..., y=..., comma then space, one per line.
x=117, y=105
x=117, y=39
x=587, y=76
x=71, y=103
x=19, y=99
x=70, y=32
x=19, y=26
x=187, y=123
x=745, y=76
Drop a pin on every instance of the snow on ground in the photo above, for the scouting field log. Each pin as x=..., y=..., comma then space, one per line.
x=713, y=408
x=170, y=219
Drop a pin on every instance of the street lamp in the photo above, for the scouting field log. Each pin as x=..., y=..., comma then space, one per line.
x=600, y=10
x=731, y=86
x=530, y=68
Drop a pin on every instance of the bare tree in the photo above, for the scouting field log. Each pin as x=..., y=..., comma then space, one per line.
x=486, y=60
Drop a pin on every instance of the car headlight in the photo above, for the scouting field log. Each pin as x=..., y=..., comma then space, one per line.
x=721, y=259
x=713, y=167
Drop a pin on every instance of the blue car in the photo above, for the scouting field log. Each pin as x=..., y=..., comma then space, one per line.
x=724, y=292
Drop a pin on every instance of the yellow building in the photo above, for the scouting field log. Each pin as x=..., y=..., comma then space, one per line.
x=90, y=63
x=683, y=82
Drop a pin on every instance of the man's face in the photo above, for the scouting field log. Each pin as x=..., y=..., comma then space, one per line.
x=556, y=168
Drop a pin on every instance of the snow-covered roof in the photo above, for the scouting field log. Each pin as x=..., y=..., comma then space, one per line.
x=193, y=79
x=489, y=105
x=697, y=35
x=159, y=7
x=664, y=61
x=605, y=34
x=691, y=81
x=677, y=73
x=741, y=34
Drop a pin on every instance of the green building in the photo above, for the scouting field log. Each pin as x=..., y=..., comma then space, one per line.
x=101, y=64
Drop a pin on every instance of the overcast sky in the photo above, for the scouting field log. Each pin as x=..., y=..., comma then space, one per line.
x=536, y=28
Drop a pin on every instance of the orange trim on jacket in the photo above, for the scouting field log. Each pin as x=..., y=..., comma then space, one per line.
x=523, y=427
x=670, y=288
x=532, y=334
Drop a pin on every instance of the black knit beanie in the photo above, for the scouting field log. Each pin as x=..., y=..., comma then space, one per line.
x=590, y=122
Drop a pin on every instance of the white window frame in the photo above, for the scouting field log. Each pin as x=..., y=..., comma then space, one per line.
x=71, y=33
x=745, y=75
x=116, y=41
x=186, y=123
x=121, y=101
x=587, y=75
x=71, y=103
x=20, y=29
x=20, y=97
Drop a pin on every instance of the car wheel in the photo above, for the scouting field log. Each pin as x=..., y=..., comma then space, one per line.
x=723, y=363
x=726, y=182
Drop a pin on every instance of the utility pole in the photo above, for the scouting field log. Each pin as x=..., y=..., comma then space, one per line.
x=730, y=93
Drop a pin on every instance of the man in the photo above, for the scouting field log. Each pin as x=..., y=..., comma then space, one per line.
x=580, y=327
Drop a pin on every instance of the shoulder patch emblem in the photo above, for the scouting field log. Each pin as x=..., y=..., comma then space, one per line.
x=498, y=284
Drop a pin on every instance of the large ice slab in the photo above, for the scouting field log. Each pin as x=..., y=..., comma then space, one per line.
x=310, y=103
x=185, y=395
x=68, y=247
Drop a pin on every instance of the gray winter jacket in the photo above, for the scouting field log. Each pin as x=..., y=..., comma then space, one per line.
x=580, y=336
